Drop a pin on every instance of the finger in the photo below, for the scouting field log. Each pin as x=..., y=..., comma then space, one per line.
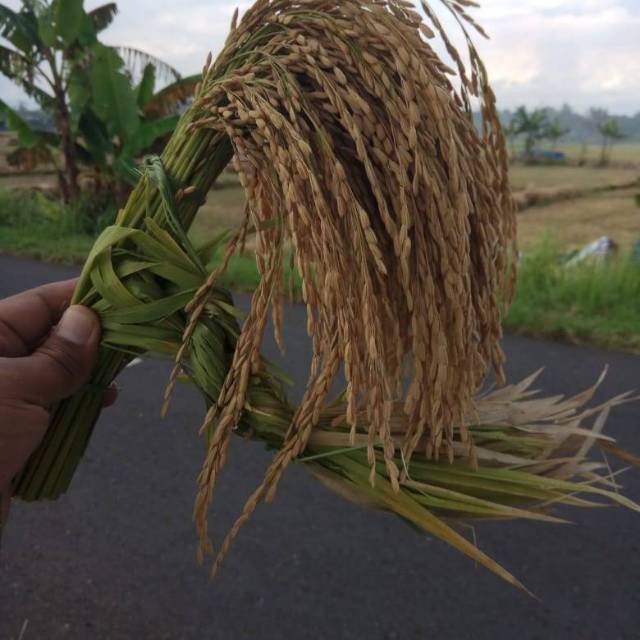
x=28, y=317
x=60, y=366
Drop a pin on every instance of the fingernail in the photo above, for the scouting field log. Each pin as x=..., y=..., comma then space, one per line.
x=77, y=325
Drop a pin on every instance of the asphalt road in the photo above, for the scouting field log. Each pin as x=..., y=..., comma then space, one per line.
x=115, y=558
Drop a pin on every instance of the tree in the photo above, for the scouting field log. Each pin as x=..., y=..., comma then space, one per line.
x=584, y=152
x=47, y=41
x=533, y=126
x=610, y=131
x=123, y=120
x=554, y=131
x=98, y=111
x=511, y=133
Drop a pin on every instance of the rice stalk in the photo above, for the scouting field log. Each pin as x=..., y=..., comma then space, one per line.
x=357, y=149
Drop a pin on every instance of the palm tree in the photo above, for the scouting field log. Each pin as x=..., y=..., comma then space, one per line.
x=610, y=131
x=511, y=133
x=52, y=52
x=532, y=125
x=554, y=132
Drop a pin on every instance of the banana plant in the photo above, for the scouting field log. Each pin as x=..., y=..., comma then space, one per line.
x=103, y=115
x=122, y=119
x=554, y=132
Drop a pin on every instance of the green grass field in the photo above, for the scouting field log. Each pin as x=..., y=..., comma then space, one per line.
x=589, y=303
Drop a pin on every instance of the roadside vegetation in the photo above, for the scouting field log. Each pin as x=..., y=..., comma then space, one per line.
x=101, y=107
x=67, y=166
x=590, y=303
x=587, y=303
x=34, y=225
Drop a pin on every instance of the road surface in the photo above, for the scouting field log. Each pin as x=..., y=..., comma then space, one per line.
x=115, y=558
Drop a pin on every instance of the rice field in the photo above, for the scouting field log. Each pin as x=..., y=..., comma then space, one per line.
x=544, y=177
x=572, y=223
x=625, y=152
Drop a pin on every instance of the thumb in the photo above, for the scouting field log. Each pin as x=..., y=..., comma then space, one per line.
x=62, y=364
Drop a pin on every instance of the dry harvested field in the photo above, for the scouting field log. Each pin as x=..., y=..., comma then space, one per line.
x=574, y=223
x=525, y=178
x=571, y=223
x=622, y=153
x=223, y=209
x=11, y=179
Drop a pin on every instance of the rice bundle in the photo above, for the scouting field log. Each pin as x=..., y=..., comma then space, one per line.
x=361, y=162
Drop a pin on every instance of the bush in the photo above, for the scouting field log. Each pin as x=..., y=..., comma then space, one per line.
x=588, y=302
x=18, y=208
x=33, y=210
x=36, y=225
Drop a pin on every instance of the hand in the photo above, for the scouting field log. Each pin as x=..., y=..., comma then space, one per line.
x=47, y=353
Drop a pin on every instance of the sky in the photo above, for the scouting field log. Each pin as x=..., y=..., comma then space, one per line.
x=541, y=53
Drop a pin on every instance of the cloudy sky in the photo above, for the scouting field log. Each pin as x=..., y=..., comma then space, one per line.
x=541, y=52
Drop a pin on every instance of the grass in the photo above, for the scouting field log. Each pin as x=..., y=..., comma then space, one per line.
x=242, y=274
x=34, y=225
x=589, y=303
x=42, y=245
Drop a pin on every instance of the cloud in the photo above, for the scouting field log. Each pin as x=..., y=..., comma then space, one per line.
x=548, y=52
x=541, y=52
x=181, y=33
